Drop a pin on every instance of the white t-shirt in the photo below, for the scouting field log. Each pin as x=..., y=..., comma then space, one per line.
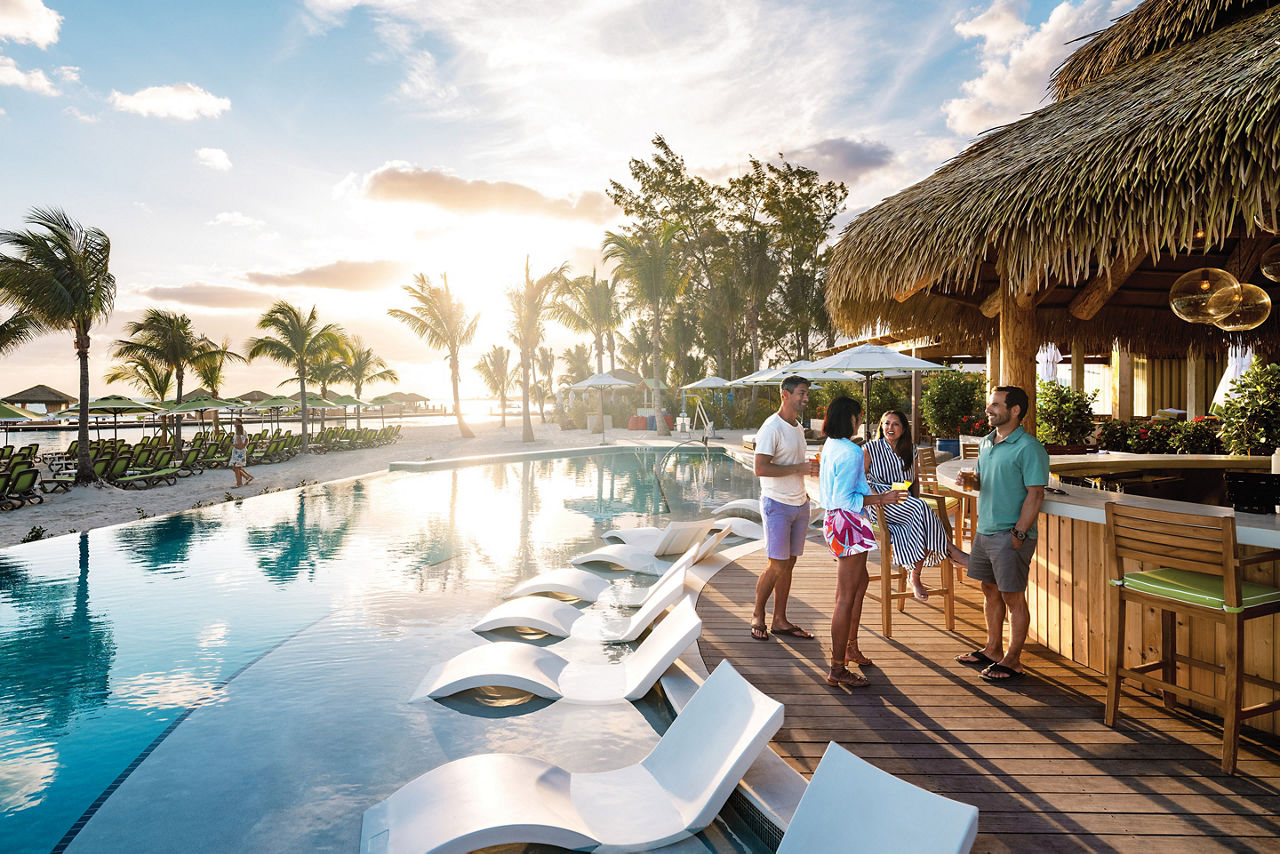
x=785, y=443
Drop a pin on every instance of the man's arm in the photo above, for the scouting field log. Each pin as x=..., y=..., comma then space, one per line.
x=1030, y=508
x=766, y=467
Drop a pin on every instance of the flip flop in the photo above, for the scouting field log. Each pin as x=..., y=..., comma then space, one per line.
x=1008, y=673
x=979, y=659
x=793, y=632
x=758, y=633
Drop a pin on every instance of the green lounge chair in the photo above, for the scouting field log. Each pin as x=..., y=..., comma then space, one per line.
x=22, y=489
x=190, y=463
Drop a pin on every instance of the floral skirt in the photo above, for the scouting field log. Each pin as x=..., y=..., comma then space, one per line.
x=848, y=533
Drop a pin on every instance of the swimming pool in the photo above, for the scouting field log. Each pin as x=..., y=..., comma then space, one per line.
x=234, y=678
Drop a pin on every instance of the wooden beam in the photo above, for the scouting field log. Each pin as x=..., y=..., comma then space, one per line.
x=1244, y=259
x=991, y=305
x=1094, y=295
x=916, y=287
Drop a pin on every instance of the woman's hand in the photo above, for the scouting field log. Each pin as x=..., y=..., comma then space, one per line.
x=893, y=496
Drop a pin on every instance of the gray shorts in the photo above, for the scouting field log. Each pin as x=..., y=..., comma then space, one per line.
x=994, y=559
x=785, y=528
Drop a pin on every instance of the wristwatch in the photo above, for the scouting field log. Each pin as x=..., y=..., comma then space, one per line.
x=1018, y=535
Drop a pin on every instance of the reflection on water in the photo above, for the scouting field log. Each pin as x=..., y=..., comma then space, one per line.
x=107, y=637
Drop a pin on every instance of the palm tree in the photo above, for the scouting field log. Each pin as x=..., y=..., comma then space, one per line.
x=328, y=368
x=362, y=365
x=442, y=322
x=590, y=305
x=210, y=370
x=495, y=369
x=636, y=349
x=648, y=261
x=297, y=341
x=61, y=280
x=545, y=365
x=528, y=305
x=17, y=329
x=577, y=364
x=143, y=373
x=166, y=338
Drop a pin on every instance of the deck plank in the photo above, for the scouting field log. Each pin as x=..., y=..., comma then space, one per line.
x=1033, y=757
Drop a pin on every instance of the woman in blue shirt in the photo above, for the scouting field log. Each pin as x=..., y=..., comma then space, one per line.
x=845, y=494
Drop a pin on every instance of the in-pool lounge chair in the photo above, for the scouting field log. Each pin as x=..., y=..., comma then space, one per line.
x=563, y=620
x=589, y=587
x=749, y=508
x=853, y=800
x=543, y=672
x=646, y=545
x=671, y=794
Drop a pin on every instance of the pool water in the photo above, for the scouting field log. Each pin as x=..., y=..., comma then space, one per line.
x=235, y=678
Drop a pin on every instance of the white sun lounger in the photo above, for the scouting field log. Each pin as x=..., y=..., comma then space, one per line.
x=676, y=538
x=589, y=587
x=671, y=794
x=847, y=792
x=563, y=620
x=749, y=508
x=541, y=671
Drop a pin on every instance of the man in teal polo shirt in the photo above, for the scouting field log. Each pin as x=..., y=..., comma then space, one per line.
x=1012, y=470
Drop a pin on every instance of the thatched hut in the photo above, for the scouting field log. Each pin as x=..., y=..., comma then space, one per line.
x=41, y=395
x=1161, y=154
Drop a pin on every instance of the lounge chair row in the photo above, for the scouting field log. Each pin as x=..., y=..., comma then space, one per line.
x=350, y=439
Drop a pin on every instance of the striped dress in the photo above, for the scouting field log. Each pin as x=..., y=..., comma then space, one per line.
x=915, y=531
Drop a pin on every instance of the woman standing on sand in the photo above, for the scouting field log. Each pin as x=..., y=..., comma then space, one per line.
x=842, y=479
x=239, y=456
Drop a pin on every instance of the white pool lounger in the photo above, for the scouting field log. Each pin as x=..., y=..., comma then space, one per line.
x=590, y=587
x=848, y=792
x=745, y=508
x=674, y=539
x=544, y=673
x=671, y=794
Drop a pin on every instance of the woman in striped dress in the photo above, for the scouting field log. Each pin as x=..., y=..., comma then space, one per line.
x=915, y=531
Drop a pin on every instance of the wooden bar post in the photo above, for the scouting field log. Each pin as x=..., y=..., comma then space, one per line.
x=1018, y=344
x=917, y=391
x=1122, y=384
x=1196, y=403
x=1077, y=366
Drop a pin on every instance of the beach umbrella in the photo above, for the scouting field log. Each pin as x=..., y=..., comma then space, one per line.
x=871, y=359
x=9, y=412
x=198, y=404
x=382, y=401
x=345, y=400
x=275, y=403
x=601, y=382
x=114, y=405
x=708, y=382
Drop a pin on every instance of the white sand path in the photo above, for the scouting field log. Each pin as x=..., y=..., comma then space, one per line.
x=84, y=508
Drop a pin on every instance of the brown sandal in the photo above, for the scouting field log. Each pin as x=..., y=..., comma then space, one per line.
x=846, y=677
x=853, y=654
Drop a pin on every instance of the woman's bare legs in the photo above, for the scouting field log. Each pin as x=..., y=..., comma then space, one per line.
x=917, y=586
x=851, y=589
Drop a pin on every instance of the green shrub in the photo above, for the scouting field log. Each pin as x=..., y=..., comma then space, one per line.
x=1113, y=435
x=948, y=397
x=1151, y=437
x=1064, y=416
x=1251, y=415
x=1199, y=436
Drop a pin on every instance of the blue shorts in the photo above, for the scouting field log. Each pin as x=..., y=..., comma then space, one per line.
x=785, y=527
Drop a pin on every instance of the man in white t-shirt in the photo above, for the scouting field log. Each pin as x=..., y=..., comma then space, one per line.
x=781, y=465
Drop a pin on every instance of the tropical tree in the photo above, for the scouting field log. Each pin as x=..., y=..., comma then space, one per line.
x=590, y=305
x=528, y=307
x=17, y=329
x=577, y=364
x=649, y=263
x=296, y=340
x=635, y=350
x=440, y=320
x=60, y=279
x=544, y=368
x=210, y=370
x=495, y=369
x=150, y=377
x=326, y=369
x=362, y=366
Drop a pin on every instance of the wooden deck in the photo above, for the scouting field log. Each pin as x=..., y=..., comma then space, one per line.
x=1033, y=757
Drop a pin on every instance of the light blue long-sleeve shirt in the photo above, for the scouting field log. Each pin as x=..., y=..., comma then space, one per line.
x=842, y=476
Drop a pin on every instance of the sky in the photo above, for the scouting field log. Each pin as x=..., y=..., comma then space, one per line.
x=324, y=152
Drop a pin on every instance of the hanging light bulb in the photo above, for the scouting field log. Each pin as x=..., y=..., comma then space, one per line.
x=1270, y=263
x=1191, y=296
x=1253, y=308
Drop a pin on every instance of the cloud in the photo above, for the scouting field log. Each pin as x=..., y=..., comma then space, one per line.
x=29, y=21
x=423, y=83
x=1017, y=59
x=84, y=117
x=32, y=81
x=68, y=73
x=402, y=182
x=843, y=159
x=236, y=219
x=183, y=101
x=340, y=275
x=207, y=296
x=214, y=158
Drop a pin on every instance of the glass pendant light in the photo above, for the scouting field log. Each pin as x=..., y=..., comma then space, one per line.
x=1192, y=295
x=1270, y=263
x=1253, y=308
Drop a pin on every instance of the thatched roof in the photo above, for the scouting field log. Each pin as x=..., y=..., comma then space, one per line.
x=1140, y=160
x=254, y=396
x=1151, y=28
x=40, y=394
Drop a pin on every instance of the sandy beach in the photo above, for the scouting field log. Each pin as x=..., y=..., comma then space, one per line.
x=90, y=507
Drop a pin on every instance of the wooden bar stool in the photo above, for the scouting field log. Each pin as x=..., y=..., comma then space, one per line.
x=967, y=515
x=927, y=477
x=889, y=573
x=1189, y=566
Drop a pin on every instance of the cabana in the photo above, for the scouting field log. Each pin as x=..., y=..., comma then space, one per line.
x=1160, y=155
x=41, y=395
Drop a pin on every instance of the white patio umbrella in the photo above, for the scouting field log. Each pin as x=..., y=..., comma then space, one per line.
x=601, y=382
x=1238, y=361
x=871, y=359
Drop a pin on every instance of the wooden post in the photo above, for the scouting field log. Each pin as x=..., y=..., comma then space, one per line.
x=1018, y=344
x=1077, y=366
x=1196, y=403
x=917, y=390
x=993, y=365
x=1122, y=384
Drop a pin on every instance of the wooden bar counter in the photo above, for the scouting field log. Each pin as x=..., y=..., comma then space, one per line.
x=1067, y=591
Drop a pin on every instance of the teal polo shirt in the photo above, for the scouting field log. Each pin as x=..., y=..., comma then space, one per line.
x=1006, y=470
